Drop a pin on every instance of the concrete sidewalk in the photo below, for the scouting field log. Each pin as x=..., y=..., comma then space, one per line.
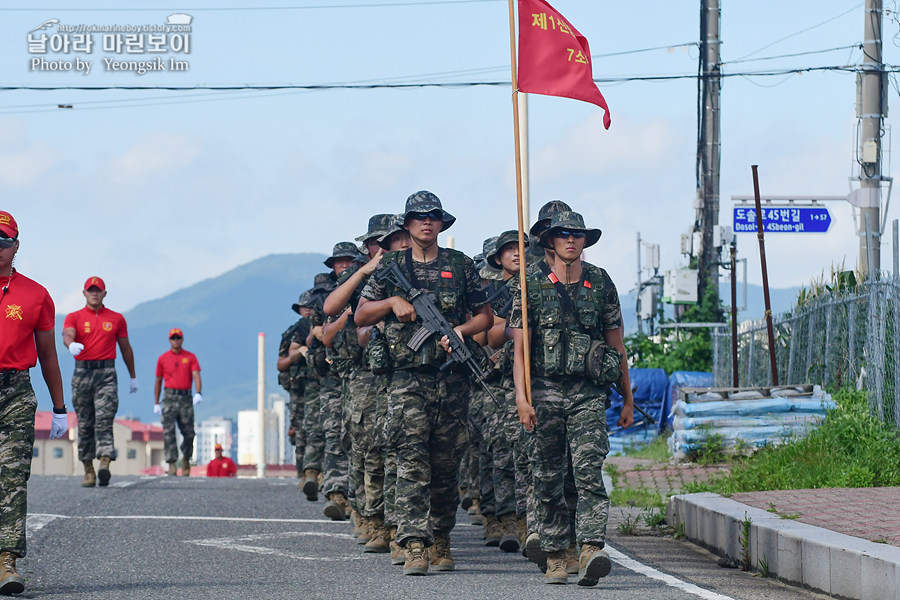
x=844, y=541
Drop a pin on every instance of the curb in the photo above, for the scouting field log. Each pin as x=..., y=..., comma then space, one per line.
x=797, y=553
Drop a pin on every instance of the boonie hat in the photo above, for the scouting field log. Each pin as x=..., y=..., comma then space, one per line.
x=342, y=250
x=175, y=331
x=423, y=202
x=503, y=239
x=8, y=225
x=305, y=301
x=379, y=225
x=545, y=215
x=571, y=221
x=94, y=282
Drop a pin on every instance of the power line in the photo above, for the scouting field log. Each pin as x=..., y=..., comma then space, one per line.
x=796, y=33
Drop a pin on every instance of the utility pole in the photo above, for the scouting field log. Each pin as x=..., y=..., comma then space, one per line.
x=708, y=146
x=871, y=111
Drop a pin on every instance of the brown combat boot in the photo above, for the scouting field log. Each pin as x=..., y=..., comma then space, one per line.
x=594, y=564
x=398, y=554
x=556, y=568
x=416, y=563
x=365, y=529
x=185, y=466
x=380, y=540
x=311, y=485
x=336, y=507
x=572, y=565
x=103, y=472
x=509, y=533
x=90, y=477
x=522, y=522
x=173, y=469
x=440, y=554
x=491, y=530
x=10, y=581
x=475, y=511
x=534, y=553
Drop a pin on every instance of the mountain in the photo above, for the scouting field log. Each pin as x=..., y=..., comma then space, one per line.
x=222, y=317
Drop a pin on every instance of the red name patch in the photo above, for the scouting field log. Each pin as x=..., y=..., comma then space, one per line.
x=446, y=274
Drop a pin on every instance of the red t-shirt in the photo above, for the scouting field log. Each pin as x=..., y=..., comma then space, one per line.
x=25, y=308
x=98, y=331
x=221, y=467
x=175, y=369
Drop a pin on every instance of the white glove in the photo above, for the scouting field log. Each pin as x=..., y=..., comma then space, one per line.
x=59, y=426
x=133, y=386
x=198, y=398
x=75, y=348
x=157, y=408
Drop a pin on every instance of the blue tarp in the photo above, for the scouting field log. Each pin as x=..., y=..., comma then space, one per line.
x=679, y=380
x=651, y=389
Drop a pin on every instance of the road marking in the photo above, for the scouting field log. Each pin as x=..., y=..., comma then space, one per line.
x=184, y=518
x=235, y=544
x=36, y=522
x=647, y=571
x=122, y=484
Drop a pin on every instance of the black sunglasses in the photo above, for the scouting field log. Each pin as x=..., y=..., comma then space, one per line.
x=565, y=233
x=434, y=215
x=176, y=337
x=6, y=242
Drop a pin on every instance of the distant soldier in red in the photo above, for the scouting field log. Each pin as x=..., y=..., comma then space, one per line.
x=221, y=466
x=179, y=369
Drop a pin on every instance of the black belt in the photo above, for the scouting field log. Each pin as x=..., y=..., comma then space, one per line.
x=175, y=392
x=94, y=364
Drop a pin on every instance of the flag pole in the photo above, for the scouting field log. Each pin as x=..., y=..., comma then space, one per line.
x=526, y=340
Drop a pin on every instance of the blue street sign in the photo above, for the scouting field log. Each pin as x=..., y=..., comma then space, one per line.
x=783, y=219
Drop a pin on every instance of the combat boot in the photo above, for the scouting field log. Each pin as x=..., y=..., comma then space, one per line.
x=534, y=553
x=475, y=511
x=185, y=466
x=398, y=554
x=522, y=522
x=103, y=471
x=491, y=530
x=465, y=499
x=416, y=563
x=311, y=485
x=10, y=581
x=593, y=565
x=173, y=469
x=509, y=533
x=380, y=541
x=336, y=507
x=90, y=477
x=440, y=554
x=572, y=563
x=365, y=530
x=556, y=568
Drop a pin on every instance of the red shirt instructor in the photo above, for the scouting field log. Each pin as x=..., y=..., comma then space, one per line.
x=91, y=335
x=26, y=336
x=221, y=466
x=179, y=369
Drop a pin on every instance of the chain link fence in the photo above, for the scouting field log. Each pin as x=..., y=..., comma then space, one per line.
x=846, y=339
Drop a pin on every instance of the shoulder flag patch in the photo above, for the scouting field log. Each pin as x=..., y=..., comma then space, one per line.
x=447, y=274
x=553, y=278
x=587, y=284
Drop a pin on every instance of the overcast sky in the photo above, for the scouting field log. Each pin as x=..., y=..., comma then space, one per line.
x=155, y=190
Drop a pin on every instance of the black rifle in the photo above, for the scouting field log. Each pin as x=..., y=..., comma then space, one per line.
x=501, y=293
x=433, y=321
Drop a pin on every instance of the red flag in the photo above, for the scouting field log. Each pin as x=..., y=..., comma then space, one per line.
x=554, y=59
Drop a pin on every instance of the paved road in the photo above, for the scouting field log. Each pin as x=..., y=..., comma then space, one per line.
x=198, y=538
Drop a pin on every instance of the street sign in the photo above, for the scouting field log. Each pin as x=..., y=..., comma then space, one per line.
x=783, y=219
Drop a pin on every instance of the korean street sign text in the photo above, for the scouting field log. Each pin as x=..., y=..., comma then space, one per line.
x=783, y=219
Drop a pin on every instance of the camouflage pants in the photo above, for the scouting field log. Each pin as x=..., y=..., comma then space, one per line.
x=299, y=438
x=381, y=461
x=17, y=407
x=312, y=427
x=571, y=416
x=95, y=396
x=484, y=465
x=363, y=444
x=468, y=470
x=427, y=426
x=499, y=444
x=177, y=409
x=334, y=464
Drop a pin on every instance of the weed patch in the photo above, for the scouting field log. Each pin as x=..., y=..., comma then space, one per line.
x=641, y=498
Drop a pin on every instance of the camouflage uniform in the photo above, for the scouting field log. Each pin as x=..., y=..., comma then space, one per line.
x=95, y=398
x=427, y=408
x=178, y=408
x=292, y=380
x=316, y=367
x=570, y=408
x=17, y=408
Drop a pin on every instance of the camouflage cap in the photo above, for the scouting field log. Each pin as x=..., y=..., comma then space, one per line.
x=342, y=250
x=571, y=221
x=489, y=272
x=396, y=227
x=503, y=239
x=379, y=225
x=305, y=301
x=423, y=202
x=545, y=214
x=488, y=247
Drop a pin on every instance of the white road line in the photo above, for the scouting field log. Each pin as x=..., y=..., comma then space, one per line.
x=647, y=571
x=186, y=518
x=36, y=522
x=122, y=484
x=235, y=544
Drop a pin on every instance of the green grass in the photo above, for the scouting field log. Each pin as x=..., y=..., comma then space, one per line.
x=657, y=450
x=850, y=449
x=642, y=498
